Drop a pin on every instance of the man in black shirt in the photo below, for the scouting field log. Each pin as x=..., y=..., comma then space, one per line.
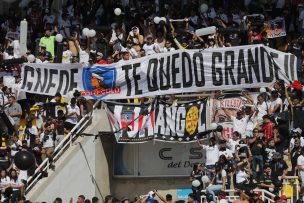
x=59, y=125
x=267, y=180
x=278, y=166
x=257, y=151
x=295, y=153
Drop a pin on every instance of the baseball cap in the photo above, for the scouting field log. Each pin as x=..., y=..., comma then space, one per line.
x=297, y=130
x=99, y=54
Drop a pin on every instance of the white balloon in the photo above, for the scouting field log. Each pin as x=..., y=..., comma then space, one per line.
x=59, y=38
x=156, y=19
x=31, y=58
x=205, y=179
x=196, y=183
x=92, y=33
x=117, y=11
x=163, y=19
x=204, y=8
x=85, y=32
x=213, y=126
x=263, y=89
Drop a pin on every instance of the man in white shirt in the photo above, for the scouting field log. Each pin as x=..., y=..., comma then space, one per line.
x=262, y=107
x=223, y=150
x=15, y=145
x=73, y=113
x=47, y=141
x=239, y=122
x=212, y=153
x=234, y=141
x=276, y=104
x=150, y=47
x=30, y=132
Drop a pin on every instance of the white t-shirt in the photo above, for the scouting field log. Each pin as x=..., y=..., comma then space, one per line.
x=5, y=181
x=292, y=140
x=212, y=154
x=73, y=119
x=83, y=57
x=227, y=153
x=16, y=183
x=22, y=175
x=278, y=101
x=66, y=56
x=14, y=147
x=219, y=180
x=300, y=162
x=48, y=142
x=33, y=130
x=241, y=176
x=262, y=108
x=3, y=98
x=150, y=49
x=232, y=144
x=240, y=125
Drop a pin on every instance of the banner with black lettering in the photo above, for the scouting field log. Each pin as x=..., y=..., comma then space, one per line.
x=48, y=78
x=165, y=73
x=180, y=122
x=131, y=123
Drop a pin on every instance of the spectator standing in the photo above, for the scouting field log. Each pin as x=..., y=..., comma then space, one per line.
x=59, y=127
x=150, y=47
x=276, y=104
x=66, y=54
x=46, y=138
x=48, y=41
x=257, y=151
x=239, y=122
x=73, y=114
x=14, y=110
x=212, y=153
x=30, y=132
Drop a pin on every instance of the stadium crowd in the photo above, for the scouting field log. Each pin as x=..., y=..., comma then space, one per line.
x=252, y=157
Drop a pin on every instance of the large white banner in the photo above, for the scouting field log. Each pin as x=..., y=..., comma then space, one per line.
x=165, y=73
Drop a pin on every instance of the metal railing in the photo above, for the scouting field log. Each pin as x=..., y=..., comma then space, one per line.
x=290, y=187
x=264, y=194
x=60, y=148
